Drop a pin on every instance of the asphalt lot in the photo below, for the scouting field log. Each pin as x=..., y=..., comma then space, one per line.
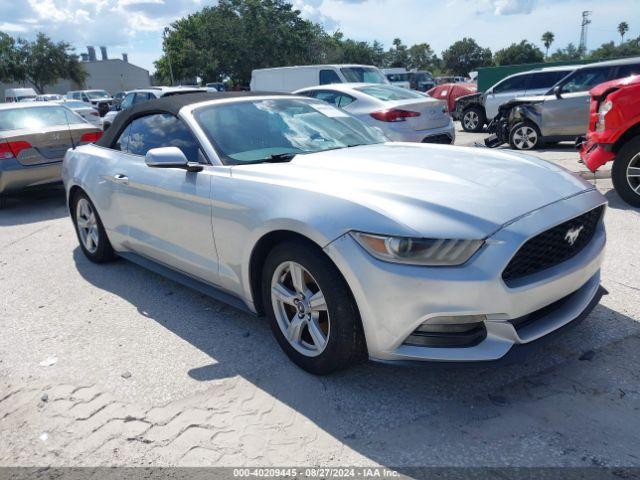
x=114, y=365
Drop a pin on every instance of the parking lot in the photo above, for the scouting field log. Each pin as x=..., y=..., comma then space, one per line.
x=114, y=365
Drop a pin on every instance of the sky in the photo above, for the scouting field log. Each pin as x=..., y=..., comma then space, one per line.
x=135, y=26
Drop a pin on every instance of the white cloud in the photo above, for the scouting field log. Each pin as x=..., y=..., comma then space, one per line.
x=513, y=7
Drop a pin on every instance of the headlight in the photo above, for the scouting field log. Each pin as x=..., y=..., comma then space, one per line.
x=418, y=251
x=605, y=107
x=602, y=112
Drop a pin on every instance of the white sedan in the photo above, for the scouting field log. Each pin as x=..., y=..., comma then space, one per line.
x=402, y=114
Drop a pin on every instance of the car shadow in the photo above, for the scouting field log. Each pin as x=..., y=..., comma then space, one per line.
x=618, y=203
x=34, y=205
x=384, y=412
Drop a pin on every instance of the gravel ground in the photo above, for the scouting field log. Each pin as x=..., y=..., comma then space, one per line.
x=114, y=365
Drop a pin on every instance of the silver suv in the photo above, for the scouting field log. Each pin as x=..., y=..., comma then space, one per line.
x=563, y=112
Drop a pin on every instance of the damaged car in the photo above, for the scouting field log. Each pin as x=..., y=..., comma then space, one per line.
x=561, y=114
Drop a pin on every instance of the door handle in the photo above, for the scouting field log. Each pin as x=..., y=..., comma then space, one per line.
x=120, y=178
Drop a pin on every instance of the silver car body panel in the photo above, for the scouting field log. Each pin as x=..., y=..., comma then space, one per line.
x=206, y=225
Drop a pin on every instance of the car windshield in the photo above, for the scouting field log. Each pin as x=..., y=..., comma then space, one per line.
x=30, y=118
x=97, y=94
x=263, y=130
x=389, y=93
x=363, y=75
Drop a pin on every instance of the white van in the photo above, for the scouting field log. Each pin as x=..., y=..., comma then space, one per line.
x=288, y=79
x=19, y=94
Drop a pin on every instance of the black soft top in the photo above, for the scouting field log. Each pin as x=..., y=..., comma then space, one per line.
x=167, y=104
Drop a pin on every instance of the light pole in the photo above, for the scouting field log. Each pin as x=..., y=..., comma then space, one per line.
x=164, y=37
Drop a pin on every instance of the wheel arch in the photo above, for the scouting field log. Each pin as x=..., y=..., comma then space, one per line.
x=630, y=134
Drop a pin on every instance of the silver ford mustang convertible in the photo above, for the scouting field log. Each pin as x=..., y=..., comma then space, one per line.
x=352, y=246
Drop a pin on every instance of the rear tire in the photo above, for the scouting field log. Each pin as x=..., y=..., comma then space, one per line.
x=625, y=172
x=473, y=119
x=525, y=136
x=91, y=233
x=319, y=329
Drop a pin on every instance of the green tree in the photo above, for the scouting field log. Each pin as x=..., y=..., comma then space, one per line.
x=43, y=62
x=547, y=40
x=421, y=57
x=234, y=37
x=571, y=52
x=623, y=28
x=518, y=53
x=398, y=55
x=630, y=48
x=464, y=56
x=7, y=58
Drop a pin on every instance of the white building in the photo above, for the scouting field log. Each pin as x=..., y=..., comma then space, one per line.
x=113, y=75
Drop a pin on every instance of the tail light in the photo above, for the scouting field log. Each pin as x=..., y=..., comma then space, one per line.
x=394, y=115
x=95, y=114
x=90, y=137
x=12, y=149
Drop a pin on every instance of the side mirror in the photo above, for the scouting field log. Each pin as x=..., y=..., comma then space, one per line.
x=557, y=90
x=170, y=157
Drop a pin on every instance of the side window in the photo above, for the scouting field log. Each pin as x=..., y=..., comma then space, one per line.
x=161, y=130
x=345, y=100
x=626, y=70
x=122, y=143
x=511, y=84
x=328, y=96
x=544, y=80
x=85, y=98
x=140, y=97
x=127, y=101
x=76, y=96
x=329, y=76
x=587, y=78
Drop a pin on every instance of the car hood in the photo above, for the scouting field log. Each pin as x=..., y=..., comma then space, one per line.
x=606, y=87
x=438, y=191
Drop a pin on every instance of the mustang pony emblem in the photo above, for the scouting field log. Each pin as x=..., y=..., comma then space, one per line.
x=572, y=235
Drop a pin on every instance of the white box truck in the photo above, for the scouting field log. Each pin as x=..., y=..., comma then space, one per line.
x=288, y=79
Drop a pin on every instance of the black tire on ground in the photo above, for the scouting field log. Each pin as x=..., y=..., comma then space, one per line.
x=104, y=251
x=473, y=119
x=525, y=136
x=628, y=158
x=345, y=344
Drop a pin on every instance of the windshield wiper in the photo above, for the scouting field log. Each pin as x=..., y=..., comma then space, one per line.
x=279, y=157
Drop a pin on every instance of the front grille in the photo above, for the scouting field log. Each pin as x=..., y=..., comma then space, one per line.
x=441, y=138
x=553, y=246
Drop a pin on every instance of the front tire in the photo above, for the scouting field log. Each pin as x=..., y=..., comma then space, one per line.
x=625, y=172
x=310, y=308
x=91, y=233
x=473, y=119
x=524, y=136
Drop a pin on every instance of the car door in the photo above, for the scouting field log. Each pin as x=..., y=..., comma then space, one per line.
x=504, y=91
x=568, y=116
x=167, y=210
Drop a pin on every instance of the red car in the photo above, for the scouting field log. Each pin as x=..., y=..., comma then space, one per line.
x=451, y=91
x=614, y=135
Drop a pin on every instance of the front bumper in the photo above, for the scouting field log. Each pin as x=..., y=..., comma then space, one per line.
x=395, y=299
x=14, y=176
x=594, y=154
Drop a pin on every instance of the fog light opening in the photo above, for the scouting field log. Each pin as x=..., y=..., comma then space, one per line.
x=454, y=331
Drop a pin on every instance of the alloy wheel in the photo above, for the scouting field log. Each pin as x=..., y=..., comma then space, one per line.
x=525, y=137
x=300, y=309
x=87, y=225
x=633, y=173
x=471, y=120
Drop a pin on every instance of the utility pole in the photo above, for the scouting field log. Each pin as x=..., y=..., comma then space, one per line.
x=164, y=37
x=583, y=32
